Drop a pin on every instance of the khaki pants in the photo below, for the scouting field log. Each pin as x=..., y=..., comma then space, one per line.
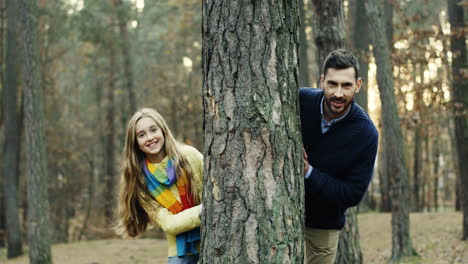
x=320, y=245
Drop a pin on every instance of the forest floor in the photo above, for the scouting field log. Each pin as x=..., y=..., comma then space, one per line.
x=436, y=237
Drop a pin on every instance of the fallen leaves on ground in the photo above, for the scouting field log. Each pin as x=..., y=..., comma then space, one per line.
x=436, y=238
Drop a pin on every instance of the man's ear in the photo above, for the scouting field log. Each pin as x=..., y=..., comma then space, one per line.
x=358, y=85
x=322, y=79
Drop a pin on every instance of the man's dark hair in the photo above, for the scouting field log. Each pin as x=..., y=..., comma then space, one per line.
x=341, y=59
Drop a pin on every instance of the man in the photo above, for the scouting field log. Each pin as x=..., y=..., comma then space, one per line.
x=340, y=143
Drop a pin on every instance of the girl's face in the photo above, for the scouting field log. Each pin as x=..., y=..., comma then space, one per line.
x=150, y=139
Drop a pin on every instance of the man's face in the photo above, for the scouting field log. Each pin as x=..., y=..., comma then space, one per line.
x=339, y=87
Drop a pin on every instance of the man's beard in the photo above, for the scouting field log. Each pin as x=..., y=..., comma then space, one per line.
x=345, y=102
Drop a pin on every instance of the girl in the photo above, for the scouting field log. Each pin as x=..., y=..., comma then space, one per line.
x=160, y=184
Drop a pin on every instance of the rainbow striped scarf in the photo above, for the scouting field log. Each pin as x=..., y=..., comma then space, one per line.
x=159, y=179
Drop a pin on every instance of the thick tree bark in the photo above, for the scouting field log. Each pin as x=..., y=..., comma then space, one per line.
x=253, y=189
x=329, y=28
x=396, y=166
x=36, y=159
x=12, y=146
x=303, y=46
x=460, y=100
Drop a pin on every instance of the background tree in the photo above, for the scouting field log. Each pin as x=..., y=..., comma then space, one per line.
x=12, y=133
x=460, y=99
x=36, y=159
x=303, y=48
x=396, y=166
x=253, y=187
x=329, y=33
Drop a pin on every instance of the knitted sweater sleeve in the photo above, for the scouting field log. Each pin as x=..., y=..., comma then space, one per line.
x=349, y=191
x=177, y=223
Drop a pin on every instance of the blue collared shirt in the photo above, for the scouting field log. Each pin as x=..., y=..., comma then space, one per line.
x=325, y=127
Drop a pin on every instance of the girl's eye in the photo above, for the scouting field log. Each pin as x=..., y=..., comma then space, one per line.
x=140, y=135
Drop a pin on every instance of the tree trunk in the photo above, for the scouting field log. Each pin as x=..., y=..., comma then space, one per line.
x=109, y=135
x=360, y=42
x=384, y=181
x=349, y=249
x=386, y=202
x=125, y=46
x=388, y=14
x=417, y=168
x=436, y=173
x=329, y=28
x=360, y=37
x=303, y=46
x=36, y=159
x=11, y=150
x=396, y=166
x=460, y=100
x=329, y=32
x=254, y=189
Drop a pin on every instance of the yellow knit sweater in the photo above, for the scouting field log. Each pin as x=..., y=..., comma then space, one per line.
x=185, y=220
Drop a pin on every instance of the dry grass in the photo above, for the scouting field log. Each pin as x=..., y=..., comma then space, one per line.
x=436, y=237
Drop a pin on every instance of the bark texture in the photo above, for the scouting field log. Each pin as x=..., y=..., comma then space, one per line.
x=329, y=33
x=360, y=37
x=396, y=166
x=303, y=47
x=36, y=160
x=120, y=10
x=329, y=28
x=11, y=148
x=110, y=173
x=349, y=248
x=460, y=100
x=253, y=188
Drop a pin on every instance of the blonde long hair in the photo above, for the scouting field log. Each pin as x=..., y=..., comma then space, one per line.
x=132, y=219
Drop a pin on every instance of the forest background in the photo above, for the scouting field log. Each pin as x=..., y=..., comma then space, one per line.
x=101, y=60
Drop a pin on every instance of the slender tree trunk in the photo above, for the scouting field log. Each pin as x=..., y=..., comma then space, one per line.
x=125, y=46
x=329, y=28
x=36, y=159
x=388, y=14
x=360, y=38
x=303, y=46
x=460, y=100
x=360, y=43
x=109, y=135
x=253, y=188
x=396, y=166
x=11, y=150
x=386, y=202
x=436, y=172
x=349, y=248
x=417, y=181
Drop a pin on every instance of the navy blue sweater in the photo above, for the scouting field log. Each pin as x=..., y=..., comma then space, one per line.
x=342, y=158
